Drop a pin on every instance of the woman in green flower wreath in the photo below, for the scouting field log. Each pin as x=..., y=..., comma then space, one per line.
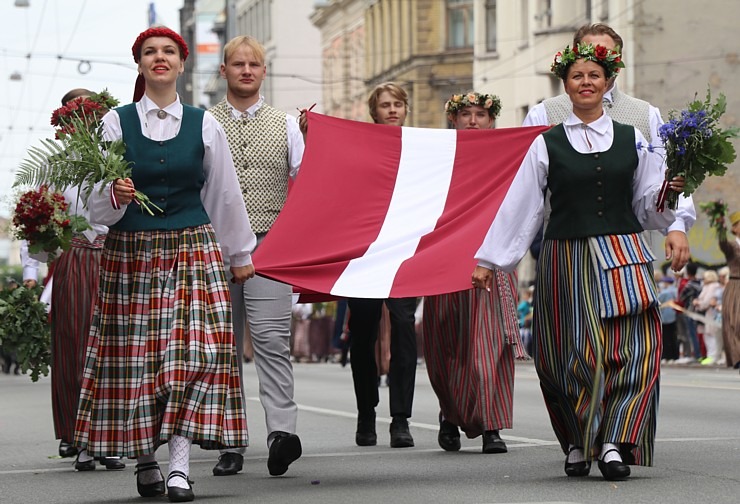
x=472, y=337
x=596, y=324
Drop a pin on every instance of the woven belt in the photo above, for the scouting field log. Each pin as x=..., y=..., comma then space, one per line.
x=82, y=242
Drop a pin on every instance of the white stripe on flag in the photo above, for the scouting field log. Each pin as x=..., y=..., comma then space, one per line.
x=419, y=196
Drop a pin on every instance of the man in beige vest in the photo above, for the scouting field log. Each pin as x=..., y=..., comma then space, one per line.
x=267, y=147
x=627, y=110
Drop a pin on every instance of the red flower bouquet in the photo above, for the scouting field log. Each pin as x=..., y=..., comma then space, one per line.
x=41, y=218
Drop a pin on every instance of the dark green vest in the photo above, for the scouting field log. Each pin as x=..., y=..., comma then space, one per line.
x=170, y=172
x=591, y=193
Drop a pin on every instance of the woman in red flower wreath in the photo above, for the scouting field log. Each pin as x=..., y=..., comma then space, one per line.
x=161, y=362
x=596, y=323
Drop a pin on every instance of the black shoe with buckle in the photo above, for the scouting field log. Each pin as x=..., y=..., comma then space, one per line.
x=284, y=450
x=149, y=489
x=228, y=463
x=366, y=435
x=400, y=435
x=112, y=463
x=449, y=436
x=616, y=470
x=177, y=494
x=577, y=469
x=492, y=442
x=66, y=449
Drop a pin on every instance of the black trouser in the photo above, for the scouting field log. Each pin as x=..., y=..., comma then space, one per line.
x=364, y=322
x=670, y=342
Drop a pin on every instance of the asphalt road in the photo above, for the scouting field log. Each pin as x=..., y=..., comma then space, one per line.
x=697, y=456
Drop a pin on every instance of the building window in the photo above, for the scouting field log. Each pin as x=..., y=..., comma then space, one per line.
x=491, y=32
x=459, y=23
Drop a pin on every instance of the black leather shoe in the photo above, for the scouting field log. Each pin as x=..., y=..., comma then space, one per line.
x=177, y=494
x=149, y=489
x=228, y=463
x=449, y=436
x=616, y=470
x=66, y=450
x=492, y=442
x=112, y=463
x=284, y=450
x=400, y=435
x=366, y=435
x=577, y=469
x=88, y=465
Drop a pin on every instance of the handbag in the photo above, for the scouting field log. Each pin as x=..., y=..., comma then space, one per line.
x=623, y=264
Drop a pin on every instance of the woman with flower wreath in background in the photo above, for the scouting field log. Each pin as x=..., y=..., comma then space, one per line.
x=161, y=363
x=74, y=291
x=471, y=337
x=597, y=357
x=731, y=294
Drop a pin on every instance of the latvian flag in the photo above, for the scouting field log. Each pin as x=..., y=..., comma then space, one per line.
x=386, y=211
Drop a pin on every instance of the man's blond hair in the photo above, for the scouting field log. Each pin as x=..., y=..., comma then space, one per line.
x=232, y=45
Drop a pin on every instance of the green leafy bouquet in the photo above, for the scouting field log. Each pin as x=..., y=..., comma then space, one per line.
x=696, y=145
x=716, y=211
x=79, y=156
x=25, y=330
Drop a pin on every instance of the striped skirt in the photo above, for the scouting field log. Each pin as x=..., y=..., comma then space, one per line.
x=161, y=359
x=731, y=321
x=470, y=341
x=571, y=340
x=74, y=293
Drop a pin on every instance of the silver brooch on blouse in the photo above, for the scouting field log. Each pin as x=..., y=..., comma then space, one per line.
x=161, y=114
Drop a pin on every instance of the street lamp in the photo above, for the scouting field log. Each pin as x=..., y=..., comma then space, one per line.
x=21, y=3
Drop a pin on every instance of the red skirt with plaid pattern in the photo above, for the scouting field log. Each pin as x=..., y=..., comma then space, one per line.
x=161, y=359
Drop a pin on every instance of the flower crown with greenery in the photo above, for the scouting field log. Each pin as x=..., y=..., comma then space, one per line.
x=490, y=102
x=610, y=59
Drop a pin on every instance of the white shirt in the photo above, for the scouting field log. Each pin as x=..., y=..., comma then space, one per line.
x=221, y=196
x=296, y=145
x=30, y=265
x=522, y=211
x=686, y=213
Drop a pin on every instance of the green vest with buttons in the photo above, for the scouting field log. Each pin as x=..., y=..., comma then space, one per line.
x=591, y=193
x=169, y=172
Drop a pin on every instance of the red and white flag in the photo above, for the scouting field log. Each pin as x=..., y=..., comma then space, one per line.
x=386, y=211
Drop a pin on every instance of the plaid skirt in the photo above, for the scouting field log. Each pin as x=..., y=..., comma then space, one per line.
x=160, y=359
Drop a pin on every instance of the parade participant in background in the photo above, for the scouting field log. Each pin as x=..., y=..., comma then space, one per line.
x=161, y=361
x=267, y=148
x=74, y=292
x=625, y=109
x=731, y=294
x=471, y=337
x=598, y=360
x=388, y=104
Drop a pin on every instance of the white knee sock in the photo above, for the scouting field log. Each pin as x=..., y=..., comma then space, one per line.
x=151, y=476
x=610, y=453
x=575, y=455
x=179, y=460
x=84, y=457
